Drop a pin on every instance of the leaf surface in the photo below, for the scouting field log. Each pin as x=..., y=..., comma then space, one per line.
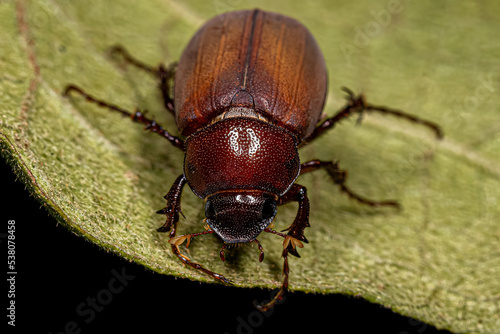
x=437, y=260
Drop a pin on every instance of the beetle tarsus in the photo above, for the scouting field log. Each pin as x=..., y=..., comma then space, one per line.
x=165, y=75
x=176, y=241
x=136, y=116
x=283, y=289
x=357, y=104
x=185, y=260
x=128, y=59
x=339, y=177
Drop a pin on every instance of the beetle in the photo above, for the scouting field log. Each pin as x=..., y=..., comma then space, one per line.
x=247, y=92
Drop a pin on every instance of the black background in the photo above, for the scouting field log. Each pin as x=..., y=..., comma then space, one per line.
x=57, y=271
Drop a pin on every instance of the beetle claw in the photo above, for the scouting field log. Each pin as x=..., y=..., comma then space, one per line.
x=222, y=278
x=349, y=92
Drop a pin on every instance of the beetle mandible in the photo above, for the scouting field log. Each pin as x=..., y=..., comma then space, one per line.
x=248, y=91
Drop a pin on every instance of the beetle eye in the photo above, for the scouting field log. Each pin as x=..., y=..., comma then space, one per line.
x=269, y=209
x=209, y=210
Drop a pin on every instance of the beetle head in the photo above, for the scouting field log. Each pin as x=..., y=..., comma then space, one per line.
x=240, y=216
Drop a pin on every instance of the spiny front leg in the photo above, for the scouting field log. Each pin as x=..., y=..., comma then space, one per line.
x=293, y=238
x=173, y=207
x=172, y=210
x=297, y=193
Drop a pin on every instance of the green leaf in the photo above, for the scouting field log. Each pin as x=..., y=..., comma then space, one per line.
x=437, y=260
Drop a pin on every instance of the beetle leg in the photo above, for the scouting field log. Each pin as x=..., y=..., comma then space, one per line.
x=339, y=177
x=283, y=289
x=176, y=241
x=293, y=238
x=171, y=210
x=297, y=193
x=166, y=75
x=173, y=207
x=184, y=259
x=118, y=49
x=137, y=116
x=357, y=104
